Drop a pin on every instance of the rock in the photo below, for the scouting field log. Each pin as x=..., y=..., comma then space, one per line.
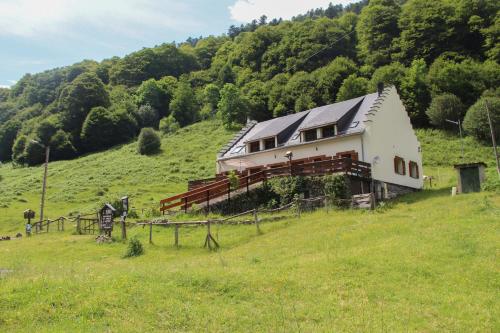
x=19, y=235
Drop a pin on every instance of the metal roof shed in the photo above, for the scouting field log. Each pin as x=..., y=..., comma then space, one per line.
x=470, y=177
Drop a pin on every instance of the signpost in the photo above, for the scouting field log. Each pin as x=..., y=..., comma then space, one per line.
x=106, y=219
x=28, y=215
x=124, y=216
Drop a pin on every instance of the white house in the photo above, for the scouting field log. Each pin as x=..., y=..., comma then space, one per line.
x=374, y=128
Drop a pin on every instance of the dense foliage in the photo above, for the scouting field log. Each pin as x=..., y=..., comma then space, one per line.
x=149, y=142
x=426, y=48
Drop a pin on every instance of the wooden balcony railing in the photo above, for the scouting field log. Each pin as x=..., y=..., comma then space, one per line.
x=217, y=188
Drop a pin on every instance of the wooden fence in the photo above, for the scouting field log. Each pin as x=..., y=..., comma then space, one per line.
x=204, y=194
x=45, y=225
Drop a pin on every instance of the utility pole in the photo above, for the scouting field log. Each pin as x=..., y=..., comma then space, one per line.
x=493, y=140
x=460, y=131
x=44, y=186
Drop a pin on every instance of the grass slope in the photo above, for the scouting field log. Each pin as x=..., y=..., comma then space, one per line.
x=80, y=185
x=426, y=262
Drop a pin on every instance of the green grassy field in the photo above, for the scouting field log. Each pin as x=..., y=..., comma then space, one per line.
x=425, y=262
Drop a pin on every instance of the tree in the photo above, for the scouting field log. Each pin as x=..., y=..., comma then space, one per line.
x=61, y=147
x=147, y=116
x=8, y=133
x=392, y=74
x=415, y=92
x=231, y=107
x=226, y=75
x=149, y=142
x=352, y=87
x=34, y=153
x=446, y=106
x=330, y=78
x=169, y=125
x=377, y=28
x=103, y=128
x=427, y=29
x=149, y=93
x=492, y=39
x=255, y=95
x=45, y=130
x=183, y=105
x=211, y=95
x=84, y=93
x=18, y=150
x=476, y=120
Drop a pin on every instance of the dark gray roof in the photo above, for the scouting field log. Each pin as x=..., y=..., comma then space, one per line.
x=349, y=115
x=274, y=126
x=328, y=114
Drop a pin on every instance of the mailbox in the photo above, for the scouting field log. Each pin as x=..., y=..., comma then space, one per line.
x=29, y=214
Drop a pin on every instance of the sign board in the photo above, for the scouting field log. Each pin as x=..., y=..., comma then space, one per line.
x=29, y=214
x=106, y=217
x=125, y=205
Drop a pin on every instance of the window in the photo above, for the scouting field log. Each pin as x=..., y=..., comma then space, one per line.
x=310, y=135
x=254, y=146
x=354, y=124
x=295, y=136
x=413, y=168
x=329, y=131
x=238, y=149
x=399, y=166
x=269, y=143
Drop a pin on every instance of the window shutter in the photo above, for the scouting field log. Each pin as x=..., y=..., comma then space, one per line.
x=396, y=164
x=404, y=166
x=417, y=175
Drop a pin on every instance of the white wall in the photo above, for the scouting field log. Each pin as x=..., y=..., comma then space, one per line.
x=390, y=134
x=326, y=147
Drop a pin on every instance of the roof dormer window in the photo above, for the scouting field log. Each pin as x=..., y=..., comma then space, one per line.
x=269, y=143
x=254, y=146
x=310, y=135
x=328, y=131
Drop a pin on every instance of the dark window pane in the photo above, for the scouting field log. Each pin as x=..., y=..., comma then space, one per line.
x=254, y=146
x=328, y=131
x=269, y=143
x=310, y=135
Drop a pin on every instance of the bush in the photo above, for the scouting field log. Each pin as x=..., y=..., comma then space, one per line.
x=61, y=147
x=337, y=188
x=34, y=153
x=134, y=248
x=287, y=187
x=18, y=155
x=234, y=180
x=446, y=106
x=148, y=116
x=476, y=120
x=149, y=142
x=169, y=125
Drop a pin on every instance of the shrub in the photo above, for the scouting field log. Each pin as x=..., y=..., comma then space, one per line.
x=134, y=248
x=337, y=188
x=149, y=142
x=61, y=147
x=476, y=120
x=18, y=155
x=148, y=116
x=169, y=125
x=34, y=153
x=287, y=187
x=234, y=181
x=446, y=106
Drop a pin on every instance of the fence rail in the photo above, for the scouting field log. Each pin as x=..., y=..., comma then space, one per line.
x=218, y=188
x=45, y=225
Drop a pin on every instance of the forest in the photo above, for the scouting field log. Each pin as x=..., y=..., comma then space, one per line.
x=442, y=55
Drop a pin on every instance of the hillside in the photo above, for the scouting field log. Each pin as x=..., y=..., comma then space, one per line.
x=80, y=185
x=425, y=262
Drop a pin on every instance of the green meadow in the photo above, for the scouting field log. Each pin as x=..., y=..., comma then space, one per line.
x=426, y=262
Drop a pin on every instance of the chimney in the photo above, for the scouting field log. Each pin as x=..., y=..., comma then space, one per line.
x=380, y=88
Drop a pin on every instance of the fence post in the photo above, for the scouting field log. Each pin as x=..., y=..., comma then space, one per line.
x=256, y=219
x=297, y=202
x=48, y=223
x=124, y=228
x=78, y=225
x=176, y=235
x=151, y=233
x=62, y=224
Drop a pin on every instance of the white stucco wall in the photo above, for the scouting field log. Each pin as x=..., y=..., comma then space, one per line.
x=326, y=147
x=390, y=134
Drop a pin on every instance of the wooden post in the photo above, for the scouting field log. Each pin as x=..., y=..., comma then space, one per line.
x=256, y=219
x=297, y=201
x=62, y=224
x=78, y=226
x=228, y=192
x=185, y=204
x=48, y=223
x=151, y=233
x=176, y=235
x=208, y=202
x=209, y=239
x=247, y=184
x=493, y=139
x=124, y=228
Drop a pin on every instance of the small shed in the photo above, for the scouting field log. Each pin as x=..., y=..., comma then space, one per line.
x=470, y=177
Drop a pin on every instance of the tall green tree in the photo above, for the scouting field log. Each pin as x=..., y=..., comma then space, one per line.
x=8, y=133
x=427, y=29
x=352, y=87
x=183, y=105
x=232, y=106
x=84, y=93
x=377, y=28
x=415, y=92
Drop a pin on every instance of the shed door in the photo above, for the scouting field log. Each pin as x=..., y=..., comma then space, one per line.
x=470, y=180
